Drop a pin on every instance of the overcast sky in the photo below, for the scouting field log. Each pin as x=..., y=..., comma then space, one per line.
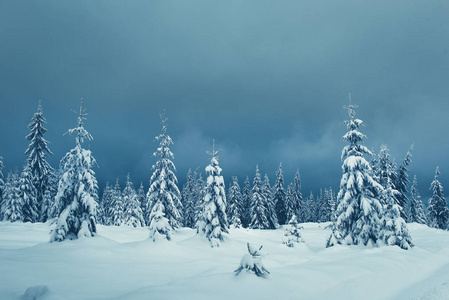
x=267, y=79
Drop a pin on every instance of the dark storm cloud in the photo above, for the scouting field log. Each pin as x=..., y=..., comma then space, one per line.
x=266, y=79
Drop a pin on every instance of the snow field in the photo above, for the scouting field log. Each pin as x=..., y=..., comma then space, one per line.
x=121, y=263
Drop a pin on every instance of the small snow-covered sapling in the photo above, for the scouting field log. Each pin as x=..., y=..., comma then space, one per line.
x=252, y=262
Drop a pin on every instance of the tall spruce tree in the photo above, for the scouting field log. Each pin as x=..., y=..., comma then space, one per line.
x=42, y=173
x=117, y=209
x=188, y=200
x=310, y=208
x=141, y=198
x=258, y=208
x=215, y=218
x=299, y=201
x=234, y=208
x=438, y=212
x=271, y=208
x=77, y=189
x=359, y=210
x=246, y=203
x=290, y=203
x=279, y=197
x=199, y=200
x=402, y=183
x=163, y=194
x=12, y=205
x=417, y=212
x=106, y=204
x=28, y=193
x=132, y=215
x=328, y=206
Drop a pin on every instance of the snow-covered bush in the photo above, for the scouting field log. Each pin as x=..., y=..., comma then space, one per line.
x=252, y=262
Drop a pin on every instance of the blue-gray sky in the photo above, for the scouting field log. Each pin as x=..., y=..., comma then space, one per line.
x=266, y=79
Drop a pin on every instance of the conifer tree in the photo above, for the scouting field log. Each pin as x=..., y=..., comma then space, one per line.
x=133, y=215
x=299, y=201
x=117, y=210
x=258, y=208
x=199, y=200
x=41, y=171
x=246, y=200
x=106, y=204
x=188, y=199
x=77, y=189
x=328, y=206
x=417, y=212
x=279, y=197
x=438, y=215
x=234, y=208
x=359, y=210
x=271, y=209
x=12, y=205
x=402, y=183
x=215, y=218
x=310, y=215
x=163, y=195
x=292, y=234
x=291, y=202
x=141, y=198
x=56, y=204
x=27, y=192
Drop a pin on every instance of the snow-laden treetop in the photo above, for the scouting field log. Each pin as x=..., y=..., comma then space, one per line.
x=81, y=132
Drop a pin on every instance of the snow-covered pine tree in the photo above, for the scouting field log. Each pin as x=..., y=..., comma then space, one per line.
x=327, y=207
x=48, y=199
x=56, y=204
x=279, y=197
x=246, y=203
x=299, y=202
x=438, y=215
x=188, y=200
x=42, y=173
x=258, y=208
x=27, y=192
x=291, y=202
x=106, y=204
x=393, y=227
x=12, y=205
x=216, y=222
x=310, y=209
x=234, y=208
x=163, y=197
x=133, y=215
x=47, y=202
x=417, y=212
x=199, y=201
x=117, y=209
x=386, y=174
x=163, y=194
x=358, y=211
x=402, y=183
x=271, y=209
x=292, y=234
x=141, y=198
x=77, y=189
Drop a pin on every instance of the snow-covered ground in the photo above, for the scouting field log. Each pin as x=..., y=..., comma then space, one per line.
x=120, y=263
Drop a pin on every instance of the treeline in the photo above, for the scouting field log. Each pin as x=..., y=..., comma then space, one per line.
x=374, y=201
